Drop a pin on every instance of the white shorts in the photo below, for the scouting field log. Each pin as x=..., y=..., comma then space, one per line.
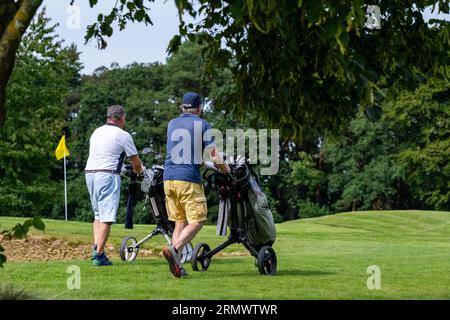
x=104, y=190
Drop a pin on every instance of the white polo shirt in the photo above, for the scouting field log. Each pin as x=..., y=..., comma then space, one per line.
x=108, y=146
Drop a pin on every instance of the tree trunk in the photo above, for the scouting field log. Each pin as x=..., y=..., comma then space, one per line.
x=12, y=29
x=2, y=106
x=319, y=196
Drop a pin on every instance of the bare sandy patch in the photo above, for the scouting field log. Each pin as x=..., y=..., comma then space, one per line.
x=37, y=248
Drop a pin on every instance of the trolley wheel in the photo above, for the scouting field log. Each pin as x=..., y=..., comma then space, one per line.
x=198, y=260
x=186, y=255
x=128, y=249
x=267, y=261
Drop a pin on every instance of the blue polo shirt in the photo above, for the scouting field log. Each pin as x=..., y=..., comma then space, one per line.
x=185, y=146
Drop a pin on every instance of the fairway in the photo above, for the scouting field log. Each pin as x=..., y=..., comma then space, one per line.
x=319, y=258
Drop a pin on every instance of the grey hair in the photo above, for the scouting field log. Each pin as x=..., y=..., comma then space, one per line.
x=188, y=110
x=115, y=112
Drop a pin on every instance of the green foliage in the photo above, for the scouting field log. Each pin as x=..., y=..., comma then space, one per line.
x=421, y=122
x=45, y=72
x=122, y=13
x=364, y=172
x=311, y=45
x=356, y=171
x=282, y=195
x=308, y=209
x=19, y=231
x=185, y=71
x=308, y=45
x=398, y=161
x=150, y=94
x=308, y=181
x=78, y=202
x=387, y=155
x=305, y=173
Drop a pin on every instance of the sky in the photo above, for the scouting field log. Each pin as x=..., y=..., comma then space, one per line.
x=137, y=43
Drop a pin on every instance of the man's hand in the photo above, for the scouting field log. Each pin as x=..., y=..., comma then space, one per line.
x=217, y=158
x=137, y=165
x=223, y=168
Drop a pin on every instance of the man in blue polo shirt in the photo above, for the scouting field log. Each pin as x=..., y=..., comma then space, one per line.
x=185, y=196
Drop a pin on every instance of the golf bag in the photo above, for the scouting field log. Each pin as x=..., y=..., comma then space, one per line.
x=244, y=209
x=154, y=193
x=258, y=222
x=154, y=196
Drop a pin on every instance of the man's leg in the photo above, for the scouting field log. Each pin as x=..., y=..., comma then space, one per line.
x=109, y=195
x=179, y=226
x=176, y=213
x=194, y=205
x=96, y=226
x=94, y=202
x=103, y=234
x=187, y=234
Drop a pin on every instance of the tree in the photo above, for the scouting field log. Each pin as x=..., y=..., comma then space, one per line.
x=15, y=17
x=364, y=173
x=309, y=180
x=137, y=87
x=45, y=72
x=319, y=63
x=307, y=65
x=421, y=123
x=151, y=94
x=400, y=161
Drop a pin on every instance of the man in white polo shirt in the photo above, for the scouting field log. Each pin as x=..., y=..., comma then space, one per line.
x=109, y=144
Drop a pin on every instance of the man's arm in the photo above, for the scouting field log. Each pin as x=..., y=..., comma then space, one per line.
x=136, y=163
x=131, y=151
x=214, y=154
x=218, y=161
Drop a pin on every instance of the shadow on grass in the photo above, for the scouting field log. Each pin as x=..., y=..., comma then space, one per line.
x=252, y=270
x=231, y=264
x=284, y=273
x=304, y=273
x=9, y=291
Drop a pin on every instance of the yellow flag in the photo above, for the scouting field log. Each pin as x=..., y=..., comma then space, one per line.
x=61, y=149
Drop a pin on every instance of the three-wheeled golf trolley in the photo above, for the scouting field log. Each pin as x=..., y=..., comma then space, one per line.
x=155, y=196
x=243, y=206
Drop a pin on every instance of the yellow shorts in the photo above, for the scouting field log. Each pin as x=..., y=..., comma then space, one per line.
x=185, y=201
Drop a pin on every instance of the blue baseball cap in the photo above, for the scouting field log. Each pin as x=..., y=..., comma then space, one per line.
x=191, y=100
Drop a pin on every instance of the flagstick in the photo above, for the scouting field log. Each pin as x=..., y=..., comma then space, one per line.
x=65, y=186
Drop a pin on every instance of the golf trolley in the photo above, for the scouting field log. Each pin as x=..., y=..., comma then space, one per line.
x=155, y=195
x=234, y=191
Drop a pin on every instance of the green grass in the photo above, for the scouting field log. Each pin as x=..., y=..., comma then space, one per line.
x=320, y=258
